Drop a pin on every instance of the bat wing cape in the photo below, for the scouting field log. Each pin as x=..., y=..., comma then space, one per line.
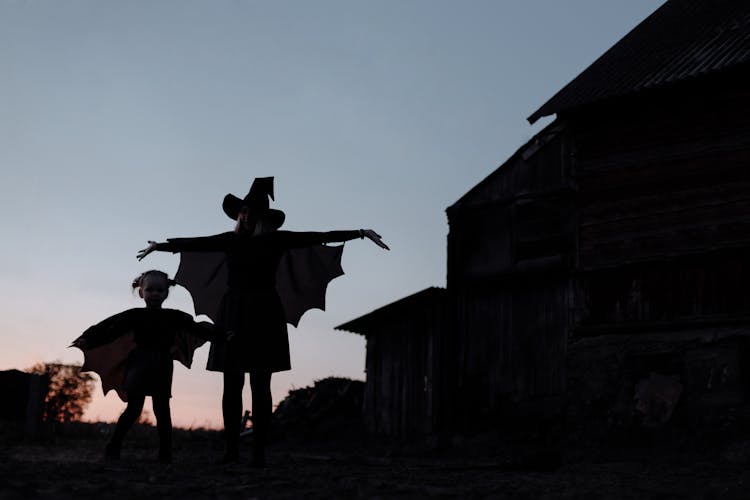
x=113, y=339
x=301, y=279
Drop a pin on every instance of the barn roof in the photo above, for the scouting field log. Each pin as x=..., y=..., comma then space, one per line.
x=504, y=181
x=370, y=322
x=682, y=40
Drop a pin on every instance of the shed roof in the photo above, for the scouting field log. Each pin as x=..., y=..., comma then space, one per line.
x=367, y=324
x=681, y=40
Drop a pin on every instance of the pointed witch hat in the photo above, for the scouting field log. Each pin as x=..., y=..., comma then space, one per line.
x=257, y=201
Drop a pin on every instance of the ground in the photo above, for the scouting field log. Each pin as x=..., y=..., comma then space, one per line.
x=71, y=465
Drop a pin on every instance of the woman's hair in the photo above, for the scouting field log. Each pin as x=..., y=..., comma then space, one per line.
x=260, y=225
x=138, y=281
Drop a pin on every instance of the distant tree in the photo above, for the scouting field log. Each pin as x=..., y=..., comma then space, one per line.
x=69, y=391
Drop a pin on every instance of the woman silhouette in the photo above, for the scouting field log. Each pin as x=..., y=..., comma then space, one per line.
x=251, y=314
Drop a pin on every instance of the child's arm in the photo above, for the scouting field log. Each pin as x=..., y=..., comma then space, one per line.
x=104, y=332
x=205, y=330
x=186, y=323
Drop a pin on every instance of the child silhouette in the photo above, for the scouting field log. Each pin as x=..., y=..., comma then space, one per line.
x=133, y=353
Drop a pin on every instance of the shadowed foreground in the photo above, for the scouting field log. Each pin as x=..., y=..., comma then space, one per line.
x=72, y=467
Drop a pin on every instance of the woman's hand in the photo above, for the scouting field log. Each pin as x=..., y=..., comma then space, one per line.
x=150, y=248
x=80, y=343
x=374, y=237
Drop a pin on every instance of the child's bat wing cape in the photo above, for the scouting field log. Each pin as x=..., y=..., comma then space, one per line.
x=301, y=279
x=113, y=341
x=108, y=361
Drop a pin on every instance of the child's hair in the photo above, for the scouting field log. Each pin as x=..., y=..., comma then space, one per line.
x=138, y=281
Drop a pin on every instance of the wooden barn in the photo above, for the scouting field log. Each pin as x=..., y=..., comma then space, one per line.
x=605, y=266
x=657, y=134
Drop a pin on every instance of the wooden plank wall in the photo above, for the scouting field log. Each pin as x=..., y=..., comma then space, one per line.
x=713, y=212
x=511, y=346
x=403, y=379
x=664, y=206
x=673, y=181
x=510, y=250
x=710, y=286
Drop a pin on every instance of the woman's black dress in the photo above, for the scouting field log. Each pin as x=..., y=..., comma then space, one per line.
x=251, y=308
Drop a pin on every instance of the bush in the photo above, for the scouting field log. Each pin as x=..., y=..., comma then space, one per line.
x=69, y=391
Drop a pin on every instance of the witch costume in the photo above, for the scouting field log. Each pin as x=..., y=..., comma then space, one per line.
x=250, y=313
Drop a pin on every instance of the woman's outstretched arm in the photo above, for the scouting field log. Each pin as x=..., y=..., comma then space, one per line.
x=215, y=243
x=290, y=239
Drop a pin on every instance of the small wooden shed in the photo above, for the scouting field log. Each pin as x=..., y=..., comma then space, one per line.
x=405, y=354
x=23, y=399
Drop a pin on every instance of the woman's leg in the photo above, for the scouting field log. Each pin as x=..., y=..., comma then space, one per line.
x=260, y=385
x=231, y=406
x=163, y=427
x=124, y=423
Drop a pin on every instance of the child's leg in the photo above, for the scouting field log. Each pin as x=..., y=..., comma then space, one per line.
x=125, y=422
x=163, y=426
x=231, y=406
x=260, y=385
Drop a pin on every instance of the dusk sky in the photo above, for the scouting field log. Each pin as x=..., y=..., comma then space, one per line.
x=122, y=122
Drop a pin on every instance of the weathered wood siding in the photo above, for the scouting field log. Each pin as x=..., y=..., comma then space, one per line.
x=512, y=341
x=510, y=250
x=664, y=175
x=706, y=287
x=403, y=374
x=663, y=207
x=663, y=238
x=519, y=217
